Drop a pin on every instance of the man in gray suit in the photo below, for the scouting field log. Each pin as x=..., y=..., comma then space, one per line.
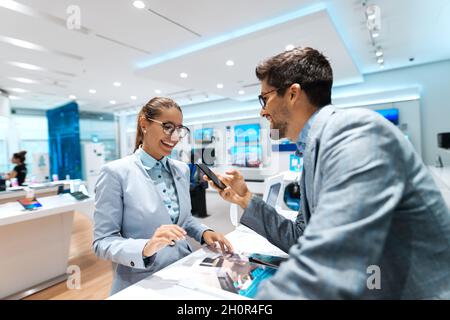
x=376, y=225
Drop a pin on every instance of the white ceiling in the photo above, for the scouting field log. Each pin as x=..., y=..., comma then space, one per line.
x=206, y=68
x=117, y=42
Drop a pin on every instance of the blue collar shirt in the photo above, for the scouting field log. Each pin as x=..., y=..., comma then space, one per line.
x=161, y=175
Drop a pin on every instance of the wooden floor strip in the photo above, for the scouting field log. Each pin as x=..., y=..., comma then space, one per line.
x=96, y=274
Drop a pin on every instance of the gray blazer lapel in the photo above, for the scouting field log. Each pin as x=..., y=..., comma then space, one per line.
x=152, y=187
x=177, y=178
x=310, y=159
x=138, y=163
x=304, y=207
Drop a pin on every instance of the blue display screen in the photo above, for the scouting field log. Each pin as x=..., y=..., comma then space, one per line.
x=204, y=135
x=389, y=114
x=247, y=132
x=247, y=156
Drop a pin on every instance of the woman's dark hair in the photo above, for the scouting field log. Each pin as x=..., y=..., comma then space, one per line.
x=305, y=66
x=151, y=110
x=20, y=155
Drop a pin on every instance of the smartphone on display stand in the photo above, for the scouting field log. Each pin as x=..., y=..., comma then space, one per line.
x=79, y=195
x=30, y=204
x=211, y=175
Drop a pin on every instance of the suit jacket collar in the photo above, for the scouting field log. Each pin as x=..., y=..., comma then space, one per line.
x=176, y=174
x=310, y=158
x=302, y=137
x=321, y=117
x=171, y=166
x=148, y=161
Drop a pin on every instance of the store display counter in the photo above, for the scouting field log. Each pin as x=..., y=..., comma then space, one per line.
x=40, y=190
x=34, y=245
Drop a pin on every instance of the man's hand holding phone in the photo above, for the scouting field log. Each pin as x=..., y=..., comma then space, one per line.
x=236, y=191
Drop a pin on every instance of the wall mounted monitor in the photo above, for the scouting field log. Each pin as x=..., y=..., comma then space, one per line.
x=247, y=156
x=247, y=133
x=204, y=135
x=444, y=140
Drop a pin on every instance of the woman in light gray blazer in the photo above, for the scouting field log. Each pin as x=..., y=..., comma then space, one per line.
x=142, y=202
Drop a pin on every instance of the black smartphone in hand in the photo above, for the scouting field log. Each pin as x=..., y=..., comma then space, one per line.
x=211, y=175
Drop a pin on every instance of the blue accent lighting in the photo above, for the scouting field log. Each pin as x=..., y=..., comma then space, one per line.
x=233, y=35
x=389, y=114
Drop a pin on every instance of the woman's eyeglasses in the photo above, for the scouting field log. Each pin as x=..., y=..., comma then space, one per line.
x=169, y=128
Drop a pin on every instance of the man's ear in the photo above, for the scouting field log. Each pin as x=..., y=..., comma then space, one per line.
x=294, y=91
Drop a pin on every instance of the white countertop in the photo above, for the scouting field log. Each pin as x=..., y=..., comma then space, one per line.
x=13, y=212
x=171, y=282
x=442, y=174
x=442, y=178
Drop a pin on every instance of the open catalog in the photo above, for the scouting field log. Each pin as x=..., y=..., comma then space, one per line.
x=236, y=273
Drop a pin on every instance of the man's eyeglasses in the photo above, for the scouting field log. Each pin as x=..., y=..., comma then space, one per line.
x=262, y=99
x=169, y=128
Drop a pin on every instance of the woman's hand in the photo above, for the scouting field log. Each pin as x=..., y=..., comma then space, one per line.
x=166, y=235
x=212, y=237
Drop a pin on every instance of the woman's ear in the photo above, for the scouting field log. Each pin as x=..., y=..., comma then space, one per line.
x=142, y=124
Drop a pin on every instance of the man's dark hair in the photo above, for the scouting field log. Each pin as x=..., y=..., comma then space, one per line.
x=305, y=66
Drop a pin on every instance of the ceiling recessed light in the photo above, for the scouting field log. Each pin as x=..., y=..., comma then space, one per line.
x=241, y=92
x=219, y=86
x=229, y=63
x=92, y=91
x=379, y=53
x=23, y=80
x=375, y=35
x=157, y=91
x=183, y=75
x=139, y=4
x=133, y=97
x=112, y=101
x=380, y=60
x=18, y=90
x=21, y=43
x=289, y=47
x=382, y=66
x=72, y=97
x=26, y=66
x=117, y=84
x=14, y=98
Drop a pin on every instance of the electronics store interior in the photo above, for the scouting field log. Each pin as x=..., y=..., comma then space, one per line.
x=234, y=150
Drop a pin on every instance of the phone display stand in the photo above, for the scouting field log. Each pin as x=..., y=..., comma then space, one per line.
x=234, y=214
